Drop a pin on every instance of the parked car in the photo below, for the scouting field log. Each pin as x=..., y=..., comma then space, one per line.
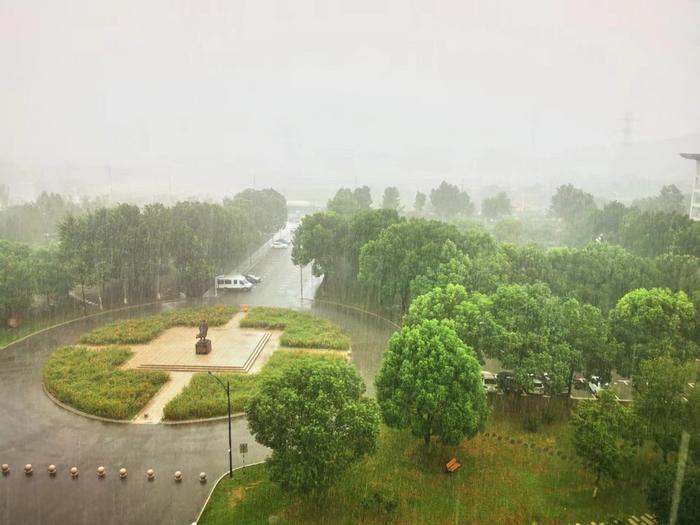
x=489, y=381
x=595, y=384
x=233, y=282
x=536, y=387
x=280, y=244
x=506, y=381
x=255, y=279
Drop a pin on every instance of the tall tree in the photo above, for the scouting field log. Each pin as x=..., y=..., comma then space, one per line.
x=652, y=323
x=363, y=197
x=17, y=282
x=496, y=206
x=430, y=383
x=660, y=400
x=419, y=203
x=447, y=200
x=572, y=204
x=390, y=199
x=604, y=435
x=314, y=417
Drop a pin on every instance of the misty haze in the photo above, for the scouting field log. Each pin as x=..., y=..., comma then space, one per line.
x=333, y=262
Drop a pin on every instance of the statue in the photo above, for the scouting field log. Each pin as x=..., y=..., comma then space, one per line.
x=203, y=345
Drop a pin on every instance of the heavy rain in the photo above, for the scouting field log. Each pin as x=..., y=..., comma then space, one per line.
x=349, y=262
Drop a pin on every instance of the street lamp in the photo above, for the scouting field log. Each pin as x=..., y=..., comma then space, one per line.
x=227, y=387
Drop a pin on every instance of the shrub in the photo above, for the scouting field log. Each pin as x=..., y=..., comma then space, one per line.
x=203, y=397
x=91, y=381
x=301, y=330
x=145, y=329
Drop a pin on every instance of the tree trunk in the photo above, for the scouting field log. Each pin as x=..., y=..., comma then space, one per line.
x=82, y=291
x=426, y=440
x=597, y=480
x=126, y=300
x=158, y=280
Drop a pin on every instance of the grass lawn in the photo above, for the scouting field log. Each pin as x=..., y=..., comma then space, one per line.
x=301, y=330
x=499, y=483
x=144, y=329
x=203, y=397
x=91, y=381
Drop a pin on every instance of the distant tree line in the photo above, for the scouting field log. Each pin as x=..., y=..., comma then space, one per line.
x=136, y=246
x=36, y=223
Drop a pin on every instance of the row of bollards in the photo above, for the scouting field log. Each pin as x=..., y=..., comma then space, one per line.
x=101, y=472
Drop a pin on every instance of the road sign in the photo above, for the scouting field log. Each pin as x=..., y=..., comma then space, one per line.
x=243, y=448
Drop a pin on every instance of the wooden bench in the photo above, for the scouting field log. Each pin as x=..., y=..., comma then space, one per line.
x=452, y=465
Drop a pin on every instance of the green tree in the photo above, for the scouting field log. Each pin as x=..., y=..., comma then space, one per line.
x=315, y=419
x=604, y=435
x=419, y=203
x=652, y=323
x=471, y=315
x=363, y=197
x=660, y=401
x=430, y=383
x=447, y=200
x=571, y=204
x=403, y=251
x=390, y=199
x=17, y=282
x=509, y=230
x=669, y=200
x=344, y=202
x=53, y=277
x=659, y=492
x=496, y=206
x=321, y=240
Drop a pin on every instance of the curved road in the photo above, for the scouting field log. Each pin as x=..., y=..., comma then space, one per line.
x=34, y=430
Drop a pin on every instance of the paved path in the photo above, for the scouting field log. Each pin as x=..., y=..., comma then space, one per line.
x=34, y=430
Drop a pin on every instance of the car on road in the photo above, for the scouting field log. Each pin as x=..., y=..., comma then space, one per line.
x=233, y=283
x=280, y=244
x=255, y=279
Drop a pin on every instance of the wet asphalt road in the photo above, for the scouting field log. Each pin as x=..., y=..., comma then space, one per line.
x=34, y=430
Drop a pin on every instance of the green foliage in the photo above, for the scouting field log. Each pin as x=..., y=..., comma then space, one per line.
x=390, y=199
x=430, y=382
x=301, y=330
x=660, y=402
x=572, y=204
x=144, y=329
x=204, y=398
x=447, y=200
x=408, y=249
x=17, y=281
x=499, y=484
x=496, y=206
x=669, y=200
x=419, y=203
x=604, y=435
x=91, y=381
x=313, y=416
x=660, y=494
x=651, y=323
x=347, y=201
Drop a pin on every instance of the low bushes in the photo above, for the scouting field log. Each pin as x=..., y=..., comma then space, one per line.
x=204, y=397
x=300, y=330
x=91, y=381
x=144, y=329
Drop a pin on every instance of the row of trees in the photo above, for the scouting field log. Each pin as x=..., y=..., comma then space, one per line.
x=446, y=201
x=393, y=260
x=659, y=225
x=136, y=246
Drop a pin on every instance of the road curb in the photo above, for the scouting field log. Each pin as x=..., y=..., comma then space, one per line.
x=216, y=484
x=80, y=412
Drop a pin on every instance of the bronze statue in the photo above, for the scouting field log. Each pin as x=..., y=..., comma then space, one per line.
x=203, y=329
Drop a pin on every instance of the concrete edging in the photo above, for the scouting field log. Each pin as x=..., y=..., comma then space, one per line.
x=216, y=484
x=80, y=412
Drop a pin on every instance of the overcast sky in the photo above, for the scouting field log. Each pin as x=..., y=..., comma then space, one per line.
x=312, y=85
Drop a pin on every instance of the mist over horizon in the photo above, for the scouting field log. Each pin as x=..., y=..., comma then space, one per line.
x=171, y=101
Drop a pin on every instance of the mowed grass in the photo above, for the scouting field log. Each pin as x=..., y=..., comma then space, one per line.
x=301, y=330
x=500, y=483
x=91, y=381
x=145, y=329
x=204, y=397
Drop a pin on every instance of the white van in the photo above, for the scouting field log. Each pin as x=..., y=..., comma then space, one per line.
x=489, y=381
x=233, y=282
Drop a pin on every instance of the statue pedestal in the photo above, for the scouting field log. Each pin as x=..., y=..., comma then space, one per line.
x=203, y=347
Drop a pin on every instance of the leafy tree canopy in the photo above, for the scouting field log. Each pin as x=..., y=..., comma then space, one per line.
x=496, y=206
x=448, y=200
x=316, y=421
x=430, y=382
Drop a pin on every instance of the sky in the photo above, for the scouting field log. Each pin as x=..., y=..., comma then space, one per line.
x=283, y=89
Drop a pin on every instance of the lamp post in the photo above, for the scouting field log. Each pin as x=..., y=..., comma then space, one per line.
x=227, y=387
